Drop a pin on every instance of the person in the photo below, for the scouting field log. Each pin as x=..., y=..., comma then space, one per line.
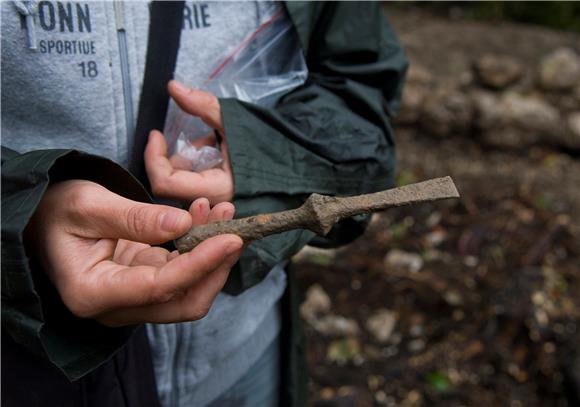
x=97, y=309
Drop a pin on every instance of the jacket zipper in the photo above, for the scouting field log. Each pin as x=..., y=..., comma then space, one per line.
x=125, y=72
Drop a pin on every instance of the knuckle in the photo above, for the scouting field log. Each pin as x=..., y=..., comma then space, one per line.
x=137, y=219
x=157, y=293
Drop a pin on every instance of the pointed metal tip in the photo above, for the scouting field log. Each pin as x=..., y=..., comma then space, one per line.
x=453, y=191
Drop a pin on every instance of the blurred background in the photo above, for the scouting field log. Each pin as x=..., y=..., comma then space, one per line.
x=474, y=302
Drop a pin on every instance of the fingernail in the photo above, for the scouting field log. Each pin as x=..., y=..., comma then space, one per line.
x=204, y=208
x=179, y=87
x=229, y=214
x=171, y=220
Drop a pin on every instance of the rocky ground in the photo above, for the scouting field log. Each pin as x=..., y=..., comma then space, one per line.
x=474, y=302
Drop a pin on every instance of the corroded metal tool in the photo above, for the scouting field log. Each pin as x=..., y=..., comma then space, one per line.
x=320, y=212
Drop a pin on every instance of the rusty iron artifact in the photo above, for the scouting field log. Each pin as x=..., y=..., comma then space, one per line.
x=320, y=212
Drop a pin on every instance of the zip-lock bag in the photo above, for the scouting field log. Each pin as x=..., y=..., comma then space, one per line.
x=265, y=66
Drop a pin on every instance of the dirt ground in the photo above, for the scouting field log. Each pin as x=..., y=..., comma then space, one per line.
x=492, y=315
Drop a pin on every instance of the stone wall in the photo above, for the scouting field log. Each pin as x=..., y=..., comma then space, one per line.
x=502, y=101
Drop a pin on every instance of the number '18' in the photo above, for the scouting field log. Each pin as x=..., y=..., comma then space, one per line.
x=89, y=69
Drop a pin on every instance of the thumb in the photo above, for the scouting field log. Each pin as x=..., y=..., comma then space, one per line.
x=197, y=103
x=115, y=217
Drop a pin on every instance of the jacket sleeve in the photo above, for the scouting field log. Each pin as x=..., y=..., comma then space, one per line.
x=332, y=135
x=32, y=312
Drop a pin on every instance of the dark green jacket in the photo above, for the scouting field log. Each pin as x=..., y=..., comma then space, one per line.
x=332, y=136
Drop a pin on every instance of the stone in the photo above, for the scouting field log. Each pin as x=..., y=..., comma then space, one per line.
x=411, y=104
x=317, y=302
x=453, y=298
x=446, y=111
x=382, y=324
x=560, y=70
x=418, y=74
x=529, y=112
x=435, y=238
x=416, y=345
x=510, y=138
x=498, y=71
x=517, y=121
x=574, y=130
x=403, y=261
x=336, y=325
x=487, y=109
x=416, y=330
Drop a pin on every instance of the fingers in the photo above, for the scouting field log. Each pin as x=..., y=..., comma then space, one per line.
x=197, y=103
x=222, y=211
x=151, y=256
x=114, y=287
x=169, y=182
x=183, y=271
x=125, y=251
x=199, y=211
x=192, y=305
x=158, y=167
x=89, y=210
x=116, y=217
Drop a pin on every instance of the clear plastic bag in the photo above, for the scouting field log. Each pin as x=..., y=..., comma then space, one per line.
x=265, y=66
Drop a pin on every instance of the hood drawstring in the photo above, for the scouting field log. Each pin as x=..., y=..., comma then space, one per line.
x=28, y=9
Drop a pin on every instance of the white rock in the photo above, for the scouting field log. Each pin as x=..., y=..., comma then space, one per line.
x=487, y=108
x=435, y=238
x=517, y=121
x=412, y=103
x=416, y=330
x=336, y=325
x=382, y=324
x=447, y=110
x=317, y=302
x=525, y=112
x=418, y=74
x=416, y=345
x=498, y=71
x=560, y=70
x=529, y=113
x=453, y=298
x=401, y=260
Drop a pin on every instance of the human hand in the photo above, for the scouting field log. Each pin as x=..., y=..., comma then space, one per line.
x=95, y=247
x=168, y=176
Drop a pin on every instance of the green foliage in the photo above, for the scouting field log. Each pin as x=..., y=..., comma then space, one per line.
x=321, y=259
x=540, y=202
x=439, y=381
x=560, y=15
x=406, y=177
x=342, y=351
x=564, y=15
x=398, y=231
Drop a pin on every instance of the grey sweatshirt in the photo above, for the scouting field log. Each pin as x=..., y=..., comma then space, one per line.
x=71, y=78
